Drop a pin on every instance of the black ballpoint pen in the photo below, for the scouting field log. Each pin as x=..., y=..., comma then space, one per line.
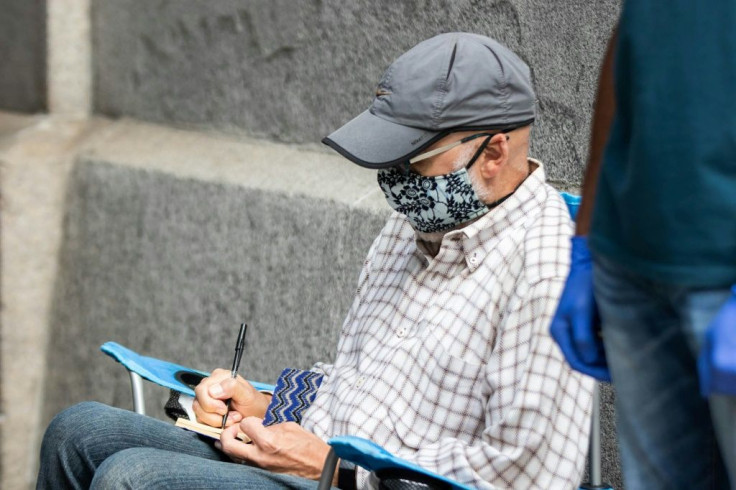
x=239, y=345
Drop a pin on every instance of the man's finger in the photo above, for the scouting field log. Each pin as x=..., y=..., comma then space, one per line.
x=208, y=418
x=584, y=336
x=558, y=327
x=210, y=404
x=235, y=388
x=219, y=373
x=221, y=391
x=235, y=448
x=233, y=417
x=253, y=428
x=203, y=393
x=597, y=370
x=562, y=333
x=201, y=388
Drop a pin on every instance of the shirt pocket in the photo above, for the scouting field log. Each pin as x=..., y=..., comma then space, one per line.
x=440, y=395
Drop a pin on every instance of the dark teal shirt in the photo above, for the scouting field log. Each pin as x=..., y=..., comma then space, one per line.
x=666, y=200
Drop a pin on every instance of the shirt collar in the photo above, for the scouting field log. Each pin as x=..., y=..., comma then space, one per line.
x=477, y=237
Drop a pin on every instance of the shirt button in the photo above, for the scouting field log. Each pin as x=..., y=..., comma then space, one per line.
x=360, y=382
x=401, y=333
x=474, y=258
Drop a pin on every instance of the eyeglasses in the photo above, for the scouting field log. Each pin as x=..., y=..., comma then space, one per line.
x=443, y=149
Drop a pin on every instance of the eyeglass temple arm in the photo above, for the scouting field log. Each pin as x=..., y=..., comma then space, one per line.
x=445, y=148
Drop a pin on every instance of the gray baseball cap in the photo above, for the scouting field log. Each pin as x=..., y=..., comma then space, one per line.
x=451, y=82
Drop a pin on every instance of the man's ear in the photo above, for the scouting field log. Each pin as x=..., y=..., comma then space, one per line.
x=495, y=155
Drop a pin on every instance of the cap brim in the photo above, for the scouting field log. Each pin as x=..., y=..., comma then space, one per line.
x=373, y=142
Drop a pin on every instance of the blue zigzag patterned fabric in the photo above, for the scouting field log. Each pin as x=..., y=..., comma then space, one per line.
x=295, y=390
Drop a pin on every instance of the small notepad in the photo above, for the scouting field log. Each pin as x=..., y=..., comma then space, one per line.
x=206, y=430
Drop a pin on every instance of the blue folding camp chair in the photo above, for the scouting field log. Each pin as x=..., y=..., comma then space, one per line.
x=392, y=471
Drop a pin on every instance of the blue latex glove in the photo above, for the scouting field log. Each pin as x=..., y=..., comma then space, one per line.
x=576, y=324
x=717, y=361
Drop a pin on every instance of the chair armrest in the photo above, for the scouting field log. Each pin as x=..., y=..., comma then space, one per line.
x=573, y=203
x=173, y=376
x=373, y=457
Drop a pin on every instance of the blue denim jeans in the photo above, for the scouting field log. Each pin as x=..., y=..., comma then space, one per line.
x=670, y=437
x=91, y=445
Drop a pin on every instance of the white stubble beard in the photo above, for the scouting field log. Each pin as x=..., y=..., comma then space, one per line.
x=481, y=190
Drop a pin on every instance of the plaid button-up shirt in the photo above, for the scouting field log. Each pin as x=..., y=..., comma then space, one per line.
x=447, y=360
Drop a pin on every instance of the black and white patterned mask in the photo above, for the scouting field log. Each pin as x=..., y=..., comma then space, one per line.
x=432, y=203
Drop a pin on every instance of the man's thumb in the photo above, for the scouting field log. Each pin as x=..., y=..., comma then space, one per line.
x=222, y=390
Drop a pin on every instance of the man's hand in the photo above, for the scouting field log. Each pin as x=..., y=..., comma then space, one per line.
x=280, y=448
x=212, y=393
x=576, y=325
x=717, y=361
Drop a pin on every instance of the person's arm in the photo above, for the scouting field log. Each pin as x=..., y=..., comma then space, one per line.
x=537, y=410
x=603, y=111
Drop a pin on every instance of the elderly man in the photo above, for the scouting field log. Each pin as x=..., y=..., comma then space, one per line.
x=444, y=358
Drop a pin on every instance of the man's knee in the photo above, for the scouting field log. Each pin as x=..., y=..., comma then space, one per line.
x=69, y=424
x=67, y=445
x=127, y=469
x=77, y=429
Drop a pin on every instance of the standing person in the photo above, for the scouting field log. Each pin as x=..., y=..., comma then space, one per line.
x=659, y=216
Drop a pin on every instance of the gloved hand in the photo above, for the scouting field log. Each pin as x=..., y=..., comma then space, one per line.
x=576, y=324
x=717, y=361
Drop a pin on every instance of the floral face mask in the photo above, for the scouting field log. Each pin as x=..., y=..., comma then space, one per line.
x=432, y=203
x=441, y=202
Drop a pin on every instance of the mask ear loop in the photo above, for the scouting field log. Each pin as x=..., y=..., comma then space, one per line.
x=479, y=151
x=481, y=148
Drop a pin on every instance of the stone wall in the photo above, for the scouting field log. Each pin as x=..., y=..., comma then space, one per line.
x=295, y=71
